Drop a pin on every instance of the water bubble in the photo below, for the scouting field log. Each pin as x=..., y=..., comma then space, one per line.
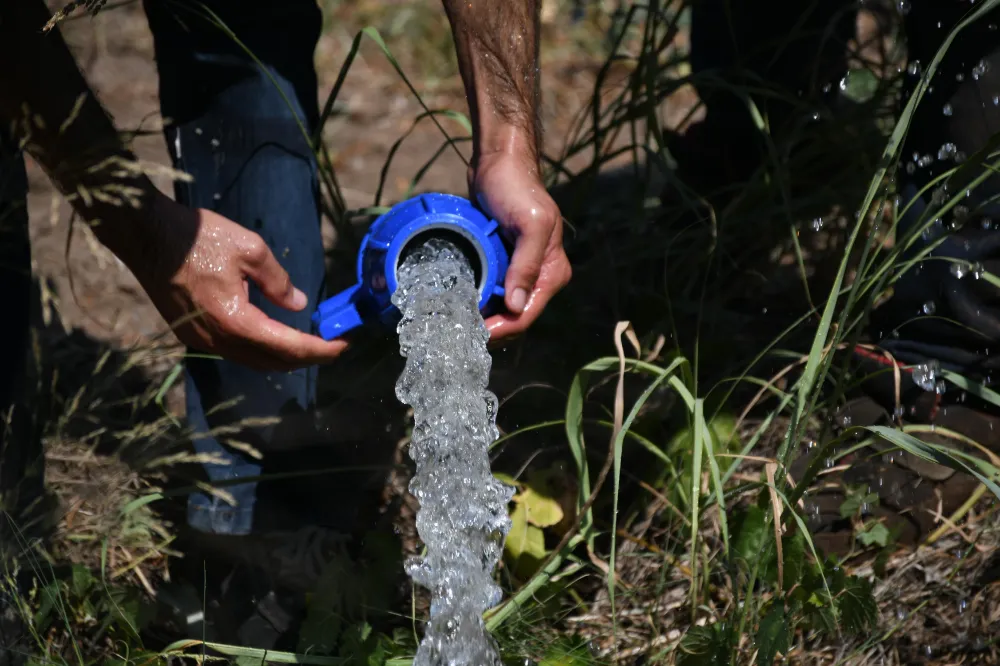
x=947, y=151
x=947, y=110
x=959, y=269
x=817, y=223
x=925, y=161
x=903, y=7
x=980, y=69
x=925, y=375
x=929, y=308
x=940, y=388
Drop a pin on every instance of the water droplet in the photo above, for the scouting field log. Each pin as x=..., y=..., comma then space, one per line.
x=925, y=375
x=947, y=151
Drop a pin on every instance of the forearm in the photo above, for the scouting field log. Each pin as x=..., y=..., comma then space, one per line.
x=60, y=123
x=497, y=46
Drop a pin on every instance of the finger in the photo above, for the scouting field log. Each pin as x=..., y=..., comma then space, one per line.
x=526, y=264
x=555, y=274
x=271, y=278
x=290, y=346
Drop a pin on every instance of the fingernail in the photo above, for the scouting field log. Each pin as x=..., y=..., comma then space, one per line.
x=299, y=299
x=518, y=300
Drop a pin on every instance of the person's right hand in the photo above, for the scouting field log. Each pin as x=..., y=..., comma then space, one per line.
x=197, y=274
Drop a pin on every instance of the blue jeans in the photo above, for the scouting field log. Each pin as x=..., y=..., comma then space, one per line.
x=239, y=128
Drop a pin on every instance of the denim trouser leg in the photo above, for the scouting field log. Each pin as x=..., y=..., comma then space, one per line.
x=237, y=129
x=21, y=462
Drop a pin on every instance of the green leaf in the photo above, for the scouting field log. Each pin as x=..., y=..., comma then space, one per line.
x=874, y=534
x=249, y=660
x=567, y=651
x=337, y=597
x=772, y=635
x=525, y=543
x=859, y=85
x=539, y=500
x=82, y=581
x=856, y=606
x=957, y=460
x=793, y=551
x=854, y=501
x=508, y=479
x=751, y=535
x=704, y=646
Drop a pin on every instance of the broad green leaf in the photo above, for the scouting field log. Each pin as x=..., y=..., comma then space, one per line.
x=859, y=85
x=874, y=534
x=854, y=501
x=567, y=651
x=704, y=646
x=525, y=543
x=772, y=635
x=856, y=606
x=538, y=499
x=751, y=535
x=793, y=547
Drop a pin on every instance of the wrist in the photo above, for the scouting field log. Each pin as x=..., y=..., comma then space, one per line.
x=501, y=142
x=123, y=213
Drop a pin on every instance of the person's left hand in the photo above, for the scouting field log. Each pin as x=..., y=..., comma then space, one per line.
x=508, y=188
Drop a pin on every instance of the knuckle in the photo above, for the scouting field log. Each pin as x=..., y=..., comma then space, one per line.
x=254, y=248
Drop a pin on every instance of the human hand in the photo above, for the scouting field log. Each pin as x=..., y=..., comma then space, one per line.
x=197, y=274
x=508, y=188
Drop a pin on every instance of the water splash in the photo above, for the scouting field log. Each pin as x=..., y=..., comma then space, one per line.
x=463, y=508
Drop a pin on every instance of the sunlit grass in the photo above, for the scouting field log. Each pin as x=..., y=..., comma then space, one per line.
x=730, y=572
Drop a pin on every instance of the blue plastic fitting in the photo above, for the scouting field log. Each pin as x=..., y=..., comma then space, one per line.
x=385, y=245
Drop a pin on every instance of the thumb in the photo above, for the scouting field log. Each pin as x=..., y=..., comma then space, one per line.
x=272, y=279
x=525, y=265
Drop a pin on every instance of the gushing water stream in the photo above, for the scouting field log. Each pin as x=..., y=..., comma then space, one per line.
x=463, y=508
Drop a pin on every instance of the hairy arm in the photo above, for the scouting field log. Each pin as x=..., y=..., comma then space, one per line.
x=497, y=42
x=497, y=46
x=65, y=129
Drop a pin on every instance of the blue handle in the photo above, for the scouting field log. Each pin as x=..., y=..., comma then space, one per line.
x=340, y=314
